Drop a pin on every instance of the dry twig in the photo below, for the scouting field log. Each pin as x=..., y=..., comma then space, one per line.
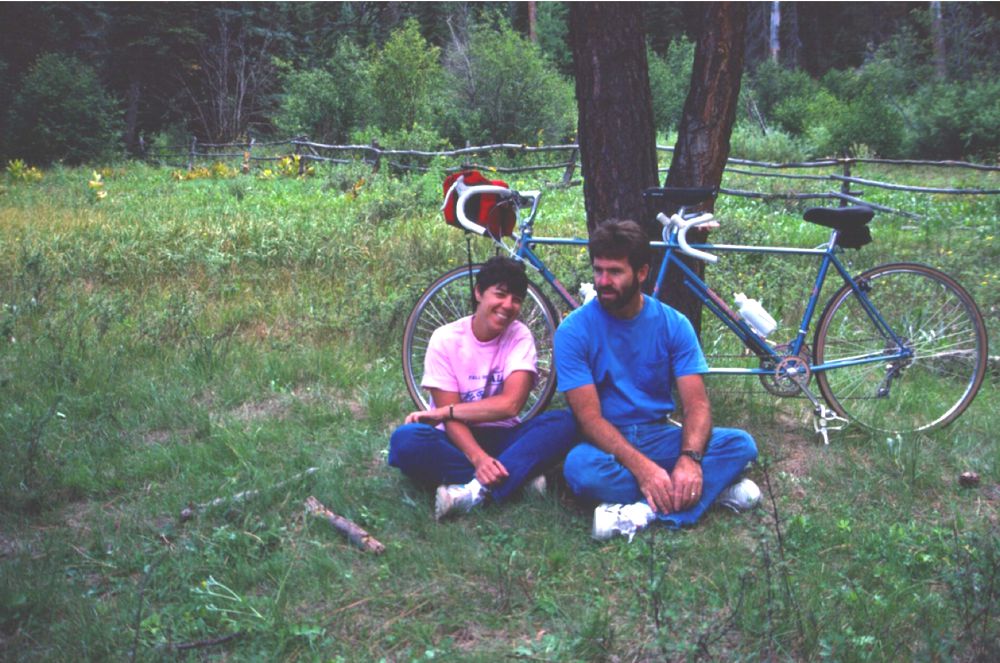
x=356, y=534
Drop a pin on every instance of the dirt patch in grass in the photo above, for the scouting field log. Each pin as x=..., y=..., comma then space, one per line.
x=279, y=406
x=164, y=435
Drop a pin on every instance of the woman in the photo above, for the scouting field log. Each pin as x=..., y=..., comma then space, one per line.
x=479, y=371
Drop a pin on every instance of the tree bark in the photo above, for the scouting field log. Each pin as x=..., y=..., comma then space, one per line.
x=937, y=30
x=774, y=40
x=706, y=125
x=132, y=116
x=616, y=134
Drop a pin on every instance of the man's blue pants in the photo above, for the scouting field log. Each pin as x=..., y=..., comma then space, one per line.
x=597, y=476
x=425, y=454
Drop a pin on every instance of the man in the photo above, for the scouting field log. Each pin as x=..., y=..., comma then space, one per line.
x=480, y=370
x=617, y=359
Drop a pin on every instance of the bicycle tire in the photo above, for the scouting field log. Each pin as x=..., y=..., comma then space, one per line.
x=932, y=313
x=449, y=298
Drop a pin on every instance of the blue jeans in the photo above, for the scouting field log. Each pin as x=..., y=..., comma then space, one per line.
x=426, y=455
x=597, y=476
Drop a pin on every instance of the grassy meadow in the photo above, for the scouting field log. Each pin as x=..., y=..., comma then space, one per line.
x=167, y=342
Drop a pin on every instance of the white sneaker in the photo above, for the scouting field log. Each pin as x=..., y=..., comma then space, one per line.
x=624, y=519
x=538, y=485
x=740, y=496
x=455, y=499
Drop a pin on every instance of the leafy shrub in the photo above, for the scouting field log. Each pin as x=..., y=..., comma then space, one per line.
x=503, y=90
x=864, y=114
x=19, y=171
x=217, y=171
x=954, y=120
x=287, y=167
x=669, y=80
x=844, y=113
x=784, y=95
x=748, y=142
x=61, y=112
x=325, y=104
x=405, y=78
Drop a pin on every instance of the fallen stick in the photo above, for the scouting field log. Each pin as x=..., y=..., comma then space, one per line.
x=191, y=510
x=357, y=535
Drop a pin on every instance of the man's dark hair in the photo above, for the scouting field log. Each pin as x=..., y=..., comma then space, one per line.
x=620, y=238
x=505, y=271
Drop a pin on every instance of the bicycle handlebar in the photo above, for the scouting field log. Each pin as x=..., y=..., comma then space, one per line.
x=706, y=220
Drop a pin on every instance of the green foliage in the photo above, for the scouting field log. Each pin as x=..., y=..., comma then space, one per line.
x=777, y=146
x=954, y=120
x=18, y=171
x=844, y=113
x=62, y=113
x=669, y=81
x=553, y=35
x=405, y=79
x=504, y=90
x=326, y=104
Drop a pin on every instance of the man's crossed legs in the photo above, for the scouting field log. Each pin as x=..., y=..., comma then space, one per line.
x=595, y=475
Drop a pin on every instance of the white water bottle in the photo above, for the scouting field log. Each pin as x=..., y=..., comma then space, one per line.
x=755, y=315
x=587, y=292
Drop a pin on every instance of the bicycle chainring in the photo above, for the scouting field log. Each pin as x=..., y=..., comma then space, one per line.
x=779, y=382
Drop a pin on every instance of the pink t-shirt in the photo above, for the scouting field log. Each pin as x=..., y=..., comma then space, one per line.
x=457, y=361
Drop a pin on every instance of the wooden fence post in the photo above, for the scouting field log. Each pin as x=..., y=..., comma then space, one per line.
x=246, y=154
x=377, y=151
x=845, y=186
x=298, y=157
x=570, y=167
x=191, y=154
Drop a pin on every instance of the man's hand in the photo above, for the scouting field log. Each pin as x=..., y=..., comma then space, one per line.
x=656, y=484
x=687, y=483
x=490, y=471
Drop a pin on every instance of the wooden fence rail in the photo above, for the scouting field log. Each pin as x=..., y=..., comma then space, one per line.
x=375, y=156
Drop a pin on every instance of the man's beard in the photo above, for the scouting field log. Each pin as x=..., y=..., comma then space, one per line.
x=622, y=300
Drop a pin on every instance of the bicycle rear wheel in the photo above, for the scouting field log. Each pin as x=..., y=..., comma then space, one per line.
x=935, y=317
x=450, y=298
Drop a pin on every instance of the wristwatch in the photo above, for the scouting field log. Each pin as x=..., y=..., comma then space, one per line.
x=693, y=455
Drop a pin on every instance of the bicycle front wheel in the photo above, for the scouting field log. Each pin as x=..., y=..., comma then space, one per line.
x=935, y=318
x=450, y=298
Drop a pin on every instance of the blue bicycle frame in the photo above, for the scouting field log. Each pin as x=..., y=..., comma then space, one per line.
x=896, y=348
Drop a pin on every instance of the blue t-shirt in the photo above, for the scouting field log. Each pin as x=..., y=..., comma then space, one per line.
x=633, y=363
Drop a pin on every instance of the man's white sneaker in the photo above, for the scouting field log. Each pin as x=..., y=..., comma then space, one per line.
x=624, y=519
x=538, y=485
x=740, y=496
x=455, y=499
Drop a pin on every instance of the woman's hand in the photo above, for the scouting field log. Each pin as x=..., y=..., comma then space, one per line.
x=429, y=417
x=490, y=471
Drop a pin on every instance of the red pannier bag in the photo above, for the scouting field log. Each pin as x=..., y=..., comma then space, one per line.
x=485, y=209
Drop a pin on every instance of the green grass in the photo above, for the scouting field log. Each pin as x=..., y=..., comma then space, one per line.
x=177, y=342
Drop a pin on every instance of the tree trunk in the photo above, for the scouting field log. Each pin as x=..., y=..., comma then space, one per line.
x=532, y=21
x=132, y=116
x=707, y=123
x=774, y=42
x=937, y=30
x=616, y=134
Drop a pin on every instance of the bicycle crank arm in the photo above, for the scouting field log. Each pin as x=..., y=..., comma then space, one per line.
x=822, y=416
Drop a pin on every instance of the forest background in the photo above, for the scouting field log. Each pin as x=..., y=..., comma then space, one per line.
x=95, y=81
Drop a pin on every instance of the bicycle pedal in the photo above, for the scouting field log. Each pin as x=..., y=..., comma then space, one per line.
x=822, y=417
